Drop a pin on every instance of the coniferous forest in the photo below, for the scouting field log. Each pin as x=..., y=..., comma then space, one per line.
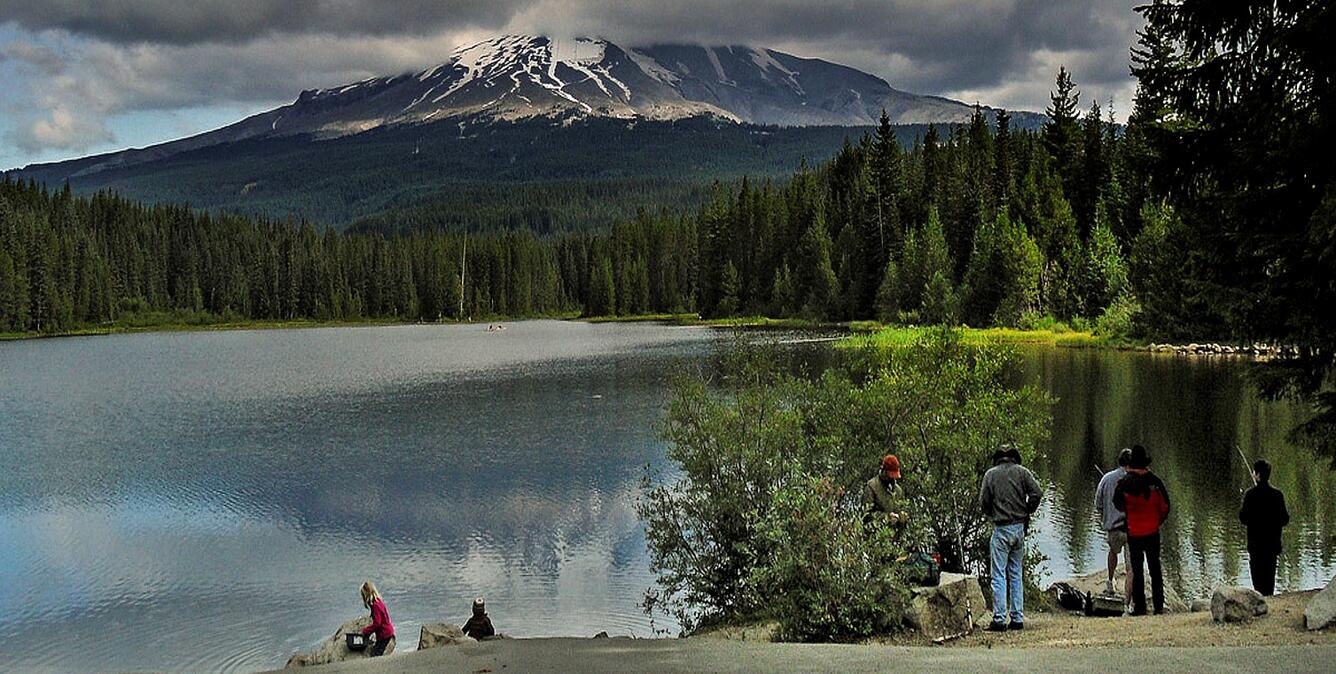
x=975, y=223
x=1208, y=215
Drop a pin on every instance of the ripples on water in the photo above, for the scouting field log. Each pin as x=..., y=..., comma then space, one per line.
x=213, y=500
x=1194, y=415
x=210, y=501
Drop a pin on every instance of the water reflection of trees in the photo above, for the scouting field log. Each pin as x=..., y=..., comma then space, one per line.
x=1191, y=414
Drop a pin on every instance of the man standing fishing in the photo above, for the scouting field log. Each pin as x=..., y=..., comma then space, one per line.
x=1008, y=497
x=1145, y=500
x=1114, y=523
x=1264, y=514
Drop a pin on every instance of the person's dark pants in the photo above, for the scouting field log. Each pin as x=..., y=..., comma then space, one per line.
x=1146, y=548
x=378, y=648
x=1263, y=568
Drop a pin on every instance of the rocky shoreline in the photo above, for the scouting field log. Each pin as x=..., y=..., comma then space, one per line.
x=1257, y=350
x=949, y=615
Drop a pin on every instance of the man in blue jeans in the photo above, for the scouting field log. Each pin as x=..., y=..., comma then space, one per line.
x=1008, y=497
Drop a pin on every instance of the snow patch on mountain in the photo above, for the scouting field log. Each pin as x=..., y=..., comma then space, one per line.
x=515, y=77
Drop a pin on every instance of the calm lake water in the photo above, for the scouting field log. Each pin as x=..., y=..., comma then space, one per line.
x=213, y=500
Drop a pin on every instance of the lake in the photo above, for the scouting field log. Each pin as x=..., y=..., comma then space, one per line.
x=213, y=500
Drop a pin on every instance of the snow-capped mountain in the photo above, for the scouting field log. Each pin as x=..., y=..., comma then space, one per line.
x=521, y=76
x=524, y=76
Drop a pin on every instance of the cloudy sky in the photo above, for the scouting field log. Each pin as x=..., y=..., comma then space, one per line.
x=85, y=76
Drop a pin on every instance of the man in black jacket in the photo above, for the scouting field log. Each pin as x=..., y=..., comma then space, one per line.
x=1264, y=514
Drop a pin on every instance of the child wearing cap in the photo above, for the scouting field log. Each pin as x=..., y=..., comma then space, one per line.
x=479, y=626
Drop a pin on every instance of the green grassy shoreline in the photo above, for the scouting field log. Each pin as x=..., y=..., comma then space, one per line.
x=860, y=332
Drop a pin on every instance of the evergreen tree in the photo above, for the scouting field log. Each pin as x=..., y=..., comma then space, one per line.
x=781, y=293
x=888, y=295
x=1003, y=165
x=1093, y=184
x=1060, y=133
x=817, y=282
x=602, y=289
x=941, y=302
x=729, y=287
x=1105, y=271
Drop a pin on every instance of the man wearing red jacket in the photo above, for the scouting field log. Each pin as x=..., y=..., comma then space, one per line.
x=1143, y=497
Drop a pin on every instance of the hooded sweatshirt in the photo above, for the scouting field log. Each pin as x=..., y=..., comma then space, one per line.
x=1143, y=498
x=380, y=621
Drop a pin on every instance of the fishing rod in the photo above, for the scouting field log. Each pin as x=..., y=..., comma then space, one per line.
x=1245, y=463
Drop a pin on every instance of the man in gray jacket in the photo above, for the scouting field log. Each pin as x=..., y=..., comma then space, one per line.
x=1008, y=497
x=1114, y=522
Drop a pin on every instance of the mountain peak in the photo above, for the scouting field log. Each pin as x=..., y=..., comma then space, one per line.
x=513, y=77
x=522, y=76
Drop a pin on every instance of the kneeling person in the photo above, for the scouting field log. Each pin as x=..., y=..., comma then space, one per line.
x=884, y=494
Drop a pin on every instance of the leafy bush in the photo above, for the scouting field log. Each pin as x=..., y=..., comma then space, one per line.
x=1119, y=318
x=1033, y=320
x=722, y=532
x=829, y=578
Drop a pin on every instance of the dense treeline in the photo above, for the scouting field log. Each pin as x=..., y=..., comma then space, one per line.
x=1234, y=112
x=67, y=262
x=976, y=224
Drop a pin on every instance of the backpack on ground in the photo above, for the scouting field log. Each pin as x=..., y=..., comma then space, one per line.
x=922, y=570
x=1069, y=597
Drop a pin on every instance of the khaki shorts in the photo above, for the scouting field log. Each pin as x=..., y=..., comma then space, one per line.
x=1117, y=540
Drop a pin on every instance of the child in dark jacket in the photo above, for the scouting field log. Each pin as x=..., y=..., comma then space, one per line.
x=380, y=619
x=1145, y=500
x=479, y=626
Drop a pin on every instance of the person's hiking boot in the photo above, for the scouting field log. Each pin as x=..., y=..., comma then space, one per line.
x=1108, y=587
x=997, y=626
x=1016, y=626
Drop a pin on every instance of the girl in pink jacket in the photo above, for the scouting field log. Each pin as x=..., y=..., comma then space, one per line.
x=380, y=619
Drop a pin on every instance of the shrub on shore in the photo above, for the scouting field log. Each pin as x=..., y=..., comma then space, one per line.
x=765, y=517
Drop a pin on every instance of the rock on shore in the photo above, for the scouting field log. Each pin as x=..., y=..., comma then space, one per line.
x=441, y=634
x=956, y=605
x=335, y=648
x=1236, y=604
x=1321, y=610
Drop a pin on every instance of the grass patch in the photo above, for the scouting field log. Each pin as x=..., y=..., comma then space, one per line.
x=899, y=336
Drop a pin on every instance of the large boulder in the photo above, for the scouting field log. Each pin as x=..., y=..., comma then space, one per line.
x=1321, y=610
x=1233, y=604
x=441, y=634
x=1093, y=583
x=335, y=648
x=954, y=606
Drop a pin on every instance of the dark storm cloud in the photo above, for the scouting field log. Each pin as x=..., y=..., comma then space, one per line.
x=935, y=45
x=181, y=22
x=949, y=44
x=118, y=57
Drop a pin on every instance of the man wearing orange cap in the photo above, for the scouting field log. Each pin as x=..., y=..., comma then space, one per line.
x=883, y=493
